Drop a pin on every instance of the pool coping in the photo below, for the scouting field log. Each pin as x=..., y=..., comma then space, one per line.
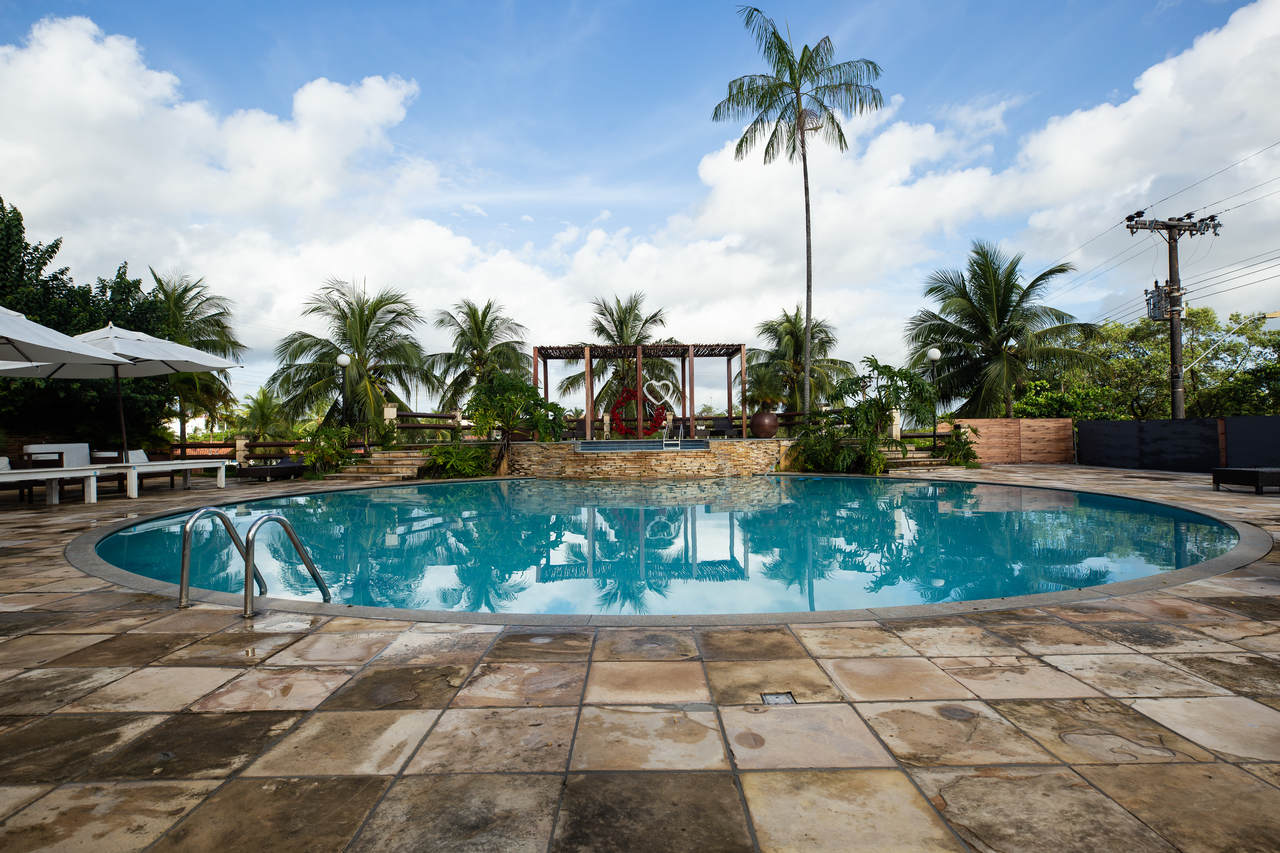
x=1254, y=544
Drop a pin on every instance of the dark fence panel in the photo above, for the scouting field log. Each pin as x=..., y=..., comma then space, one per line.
x=1253, y=442
x=1196, y=444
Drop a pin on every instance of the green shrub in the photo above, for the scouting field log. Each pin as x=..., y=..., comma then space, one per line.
x=456, y=460
x=956, y=446
x=326, y=451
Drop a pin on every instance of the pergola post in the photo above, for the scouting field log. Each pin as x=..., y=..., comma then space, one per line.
x=639, y=392
x=693, y=409
x=591, y=396
x=546, y=380
x=742, y=355
x=684, y=392
x=728, y=391
x=535, y=368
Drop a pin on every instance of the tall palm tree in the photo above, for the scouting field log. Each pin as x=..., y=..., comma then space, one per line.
x=485, y=341
x=993, y=331
x=796, y=96
x=783, y=358
x=374, y=332
x=263, y=417
x=192, y=315
x=621, y=322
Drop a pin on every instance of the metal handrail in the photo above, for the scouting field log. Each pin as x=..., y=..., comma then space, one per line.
x=184, y=578
x=250, y=570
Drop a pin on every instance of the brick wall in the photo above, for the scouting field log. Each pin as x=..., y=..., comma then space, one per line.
x=1002, y=441
x=725, y=458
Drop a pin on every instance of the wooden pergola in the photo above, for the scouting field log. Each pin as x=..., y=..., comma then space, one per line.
x=687, y=353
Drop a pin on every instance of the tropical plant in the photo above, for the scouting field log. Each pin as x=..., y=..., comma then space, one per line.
x=510, y=405
x=993, y=331
x=192, y=315
x=784, y=358
x=327, y=449
x=957, y=446
x=621, y=322
x=455, y=460
x=797, y=95
x=374, y=332
x=485, y=341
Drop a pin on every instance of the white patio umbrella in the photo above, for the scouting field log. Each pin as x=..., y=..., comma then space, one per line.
x=24, y=340
x=137, y=354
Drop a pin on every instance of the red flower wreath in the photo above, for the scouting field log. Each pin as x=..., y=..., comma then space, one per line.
x=625, y=426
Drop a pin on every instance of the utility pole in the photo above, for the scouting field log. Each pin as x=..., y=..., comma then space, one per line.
x=1166, y=303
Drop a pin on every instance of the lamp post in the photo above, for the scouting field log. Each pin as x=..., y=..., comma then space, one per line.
x=933, y=355
x=343, y=361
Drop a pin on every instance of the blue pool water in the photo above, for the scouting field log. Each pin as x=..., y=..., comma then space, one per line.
x=733, y=545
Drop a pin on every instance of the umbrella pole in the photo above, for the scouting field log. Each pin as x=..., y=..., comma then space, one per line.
x=124, y=440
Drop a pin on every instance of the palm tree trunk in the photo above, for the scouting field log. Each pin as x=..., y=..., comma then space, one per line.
x=182, y=422
x=808, y=272
x=1008, y=403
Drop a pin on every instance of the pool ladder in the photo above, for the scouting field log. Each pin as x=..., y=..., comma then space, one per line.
x=246, y=549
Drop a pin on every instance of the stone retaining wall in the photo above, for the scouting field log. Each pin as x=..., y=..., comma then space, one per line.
x=724, y=458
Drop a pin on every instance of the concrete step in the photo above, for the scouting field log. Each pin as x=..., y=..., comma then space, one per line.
x=384, y=469
x=926, y=462
x=359, y=477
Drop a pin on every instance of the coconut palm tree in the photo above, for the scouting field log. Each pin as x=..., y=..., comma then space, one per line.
x=375, y=332
x=993, y=331
x=797, y=95
x=485, y=341
x=192, y=315
x=621, y=322
x=783, y=358
x=262, y=417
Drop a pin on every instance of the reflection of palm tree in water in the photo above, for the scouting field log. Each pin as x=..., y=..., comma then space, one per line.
x=630, y=548
x=793, y=555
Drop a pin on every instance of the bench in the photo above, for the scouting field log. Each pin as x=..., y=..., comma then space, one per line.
x=53, y=478
x=1259, y=478
x=135, y=471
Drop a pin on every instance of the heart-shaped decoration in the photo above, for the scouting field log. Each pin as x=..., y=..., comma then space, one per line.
x=661, y=392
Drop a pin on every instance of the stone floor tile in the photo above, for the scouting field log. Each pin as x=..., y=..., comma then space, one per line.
x=1021, y=680
x=439, y=647
x=1098, y=731
x=653, y=812
x=14, y=797
x=102, y=817
x=106, y=622
x=33, y=650
x=1013, y=616
x=490, y=740
x=278, y=622
x=873, y=679
x=398, y=688
x=774, y=737
x=817, y=810
x=950, y=733
x=955, y=641
x=239, y=649
x=1248, y=674
x=1236, y=630
x=154, y=688
x=1152, y=637
x=645, y=644
x=126, y=650
x=1127, y=676
x=27, y=600
x=1174, y=609
x=1093, y=611
x=349, y=624
x=274, y=690
x=195, y=746
x=1265, y=772
x=523, y=684
x=58, y=748
x=1237, y=728
x=190, y=621
x=112, y=600
x=39, y=691
x=1057, y=810
x=279, y=815
x=1269, y=642
x=1198, y=807
x=341, y=649
x=15, y=623
x=346, y=743
x=463, y=814
x=1261, y=607
x=742, y=682
x=80, y=584
x=455, y=628
x=1060, y=640
x=764, y=642
x=637, y=737
x=646, y=683
x=853, y=642
x=541, y=644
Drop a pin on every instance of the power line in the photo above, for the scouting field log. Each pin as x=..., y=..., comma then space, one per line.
x=1246, y=203
x=1241, y=192
x=1085, y=277
x=1215, y=174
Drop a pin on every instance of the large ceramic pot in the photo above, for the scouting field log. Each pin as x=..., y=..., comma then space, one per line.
x=764, y=424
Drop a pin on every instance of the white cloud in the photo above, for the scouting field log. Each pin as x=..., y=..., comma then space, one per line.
x=109, y=154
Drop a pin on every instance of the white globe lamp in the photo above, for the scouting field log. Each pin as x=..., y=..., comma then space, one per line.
x=934, y=354
x=343, y=360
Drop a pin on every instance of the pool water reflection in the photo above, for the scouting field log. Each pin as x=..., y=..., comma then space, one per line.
x=733, y=545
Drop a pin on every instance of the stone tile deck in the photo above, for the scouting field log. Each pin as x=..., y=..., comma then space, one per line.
x=1148, y=721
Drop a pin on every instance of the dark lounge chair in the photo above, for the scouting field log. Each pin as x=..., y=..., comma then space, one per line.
x=1259, y=478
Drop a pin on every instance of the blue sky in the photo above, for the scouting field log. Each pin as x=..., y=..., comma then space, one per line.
x=532, y=126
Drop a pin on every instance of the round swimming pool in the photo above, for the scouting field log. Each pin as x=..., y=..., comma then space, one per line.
x=725, y=546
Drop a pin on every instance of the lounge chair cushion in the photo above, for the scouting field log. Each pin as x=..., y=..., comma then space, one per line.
x=4, y=463
x=136, y=456
x=73, y=455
